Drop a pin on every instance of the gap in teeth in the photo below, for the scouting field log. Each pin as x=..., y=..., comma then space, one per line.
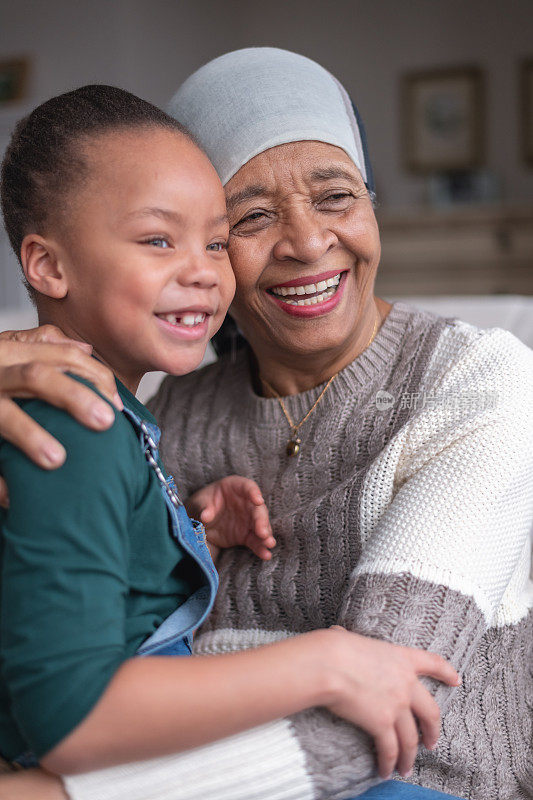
x=308, y=288
x=189, y=320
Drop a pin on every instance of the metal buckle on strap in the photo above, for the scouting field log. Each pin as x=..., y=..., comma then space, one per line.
x=150, y=449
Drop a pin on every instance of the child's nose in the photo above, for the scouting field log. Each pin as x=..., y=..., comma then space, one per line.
x=199, y=271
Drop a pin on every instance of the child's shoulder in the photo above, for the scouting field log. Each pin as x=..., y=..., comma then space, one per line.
x=117, y=446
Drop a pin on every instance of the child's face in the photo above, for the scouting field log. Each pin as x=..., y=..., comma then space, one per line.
x=149, y=279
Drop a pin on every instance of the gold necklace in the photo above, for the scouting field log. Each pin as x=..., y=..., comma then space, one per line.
x=293, y=445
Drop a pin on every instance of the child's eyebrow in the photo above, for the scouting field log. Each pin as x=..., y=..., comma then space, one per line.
x=168, y=215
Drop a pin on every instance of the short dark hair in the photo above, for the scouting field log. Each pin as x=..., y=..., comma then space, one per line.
x=44, y=159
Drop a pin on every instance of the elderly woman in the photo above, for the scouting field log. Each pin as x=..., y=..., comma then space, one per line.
x=394, y=448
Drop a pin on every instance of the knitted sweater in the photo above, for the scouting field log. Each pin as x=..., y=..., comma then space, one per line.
x=406, y=516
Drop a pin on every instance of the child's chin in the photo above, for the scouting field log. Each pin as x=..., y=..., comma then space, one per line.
x=183, y=365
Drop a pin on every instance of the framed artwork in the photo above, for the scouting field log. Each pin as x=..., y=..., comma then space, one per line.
x=13, y=79
x=526, y=81
x=443, y=120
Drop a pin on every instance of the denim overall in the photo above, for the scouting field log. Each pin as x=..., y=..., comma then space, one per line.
x=174, y=635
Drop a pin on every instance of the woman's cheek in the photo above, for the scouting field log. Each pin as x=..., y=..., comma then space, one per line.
x=244, y=260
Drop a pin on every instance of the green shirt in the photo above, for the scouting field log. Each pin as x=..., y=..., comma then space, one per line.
x=89, y=570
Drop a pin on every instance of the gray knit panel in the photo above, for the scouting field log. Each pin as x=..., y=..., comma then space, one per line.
x=486, y=746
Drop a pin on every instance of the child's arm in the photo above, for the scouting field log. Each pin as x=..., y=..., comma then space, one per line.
x=159, y=705
x=31, y=784
x=234, y=513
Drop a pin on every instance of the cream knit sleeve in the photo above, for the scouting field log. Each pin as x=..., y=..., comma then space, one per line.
x=461, y=511
x=448, y=557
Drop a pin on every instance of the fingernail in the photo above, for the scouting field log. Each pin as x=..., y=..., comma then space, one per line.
x=102, y=415
x=53, y=455
x=118, y=402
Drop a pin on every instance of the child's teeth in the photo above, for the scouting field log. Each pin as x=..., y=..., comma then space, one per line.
x=187, y=319
x=192, y=319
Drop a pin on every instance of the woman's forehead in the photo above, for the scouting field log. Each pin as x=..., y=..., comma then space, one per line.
x=312, y=161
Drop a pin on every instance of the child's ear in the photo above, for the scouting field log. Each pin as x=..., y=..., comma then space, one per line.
x=42, y=266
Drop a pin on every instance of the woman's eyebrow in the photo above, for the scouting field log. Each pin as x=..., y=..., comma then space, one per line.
x=329, y=173
x=246, y=194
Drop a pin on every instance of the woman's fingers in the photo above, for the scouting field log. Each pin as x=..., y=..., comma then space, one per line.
x=45, y=333
x=22, y=431
x=50, y=383
x=387, y=749
x=407, y=734
x=428, y=715
x=64, y=357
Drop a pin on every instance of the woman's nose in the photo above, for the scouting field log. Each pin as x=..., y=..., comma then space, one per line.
x=304, y=236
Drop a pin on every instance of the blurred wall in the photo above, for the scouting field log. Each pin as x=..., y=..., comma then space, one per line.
x=150, y=46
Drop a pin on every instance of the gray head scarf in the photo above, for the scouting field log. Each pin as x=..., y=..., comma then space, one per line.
x=250, y=100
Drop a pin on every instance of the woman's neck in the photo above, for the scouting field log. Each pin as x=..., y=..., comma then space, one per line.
x=287, y=374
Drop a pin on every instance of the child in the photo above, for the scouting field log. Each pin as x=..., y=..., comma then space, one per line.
x=119, y=220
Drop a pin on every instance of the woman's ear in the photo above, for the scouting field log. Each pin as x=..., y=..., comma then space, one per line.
x=42, y=266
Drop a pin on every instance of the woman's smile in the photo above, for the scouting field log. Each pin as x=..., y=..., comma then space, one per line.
x=311, y=296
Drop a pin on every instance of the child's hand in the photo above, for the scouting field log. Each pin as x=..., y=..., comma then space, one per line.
x=234, y=513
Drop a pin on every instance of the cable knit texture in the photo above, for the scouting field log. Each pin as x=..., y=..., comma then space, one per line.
x=407, y=516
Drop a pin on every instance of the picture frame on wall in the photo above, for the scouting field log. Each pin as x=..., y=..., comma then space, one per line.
x=13, y=80
x=526, y=91
x=443, y=114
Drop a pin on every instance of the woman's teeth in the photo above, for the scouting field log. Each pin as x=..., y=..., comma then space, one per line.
x=316, y=292
x=186, y=319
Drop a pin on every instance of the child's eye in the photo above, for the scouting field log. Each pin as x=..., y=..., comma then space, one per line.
x=157, y=241
x=217, y=247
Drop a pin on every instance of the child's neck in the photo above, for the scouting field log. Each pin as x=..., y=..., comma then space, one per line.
x=131, y=382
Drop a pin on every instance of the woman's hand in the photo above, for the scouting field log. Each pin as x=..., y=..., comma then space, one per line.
x=33, y=364
x=30, y=784
x=234, y=513
x=376, y=685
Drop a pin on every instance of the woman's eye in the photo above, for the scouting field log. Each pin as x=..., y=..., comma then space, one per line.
x=254, y=216
x=336, y=197
x=217, y=247
x=158, y=241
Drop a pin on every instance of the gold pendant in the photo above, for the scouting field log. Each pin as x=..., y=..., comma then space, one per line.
x=293, y=446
